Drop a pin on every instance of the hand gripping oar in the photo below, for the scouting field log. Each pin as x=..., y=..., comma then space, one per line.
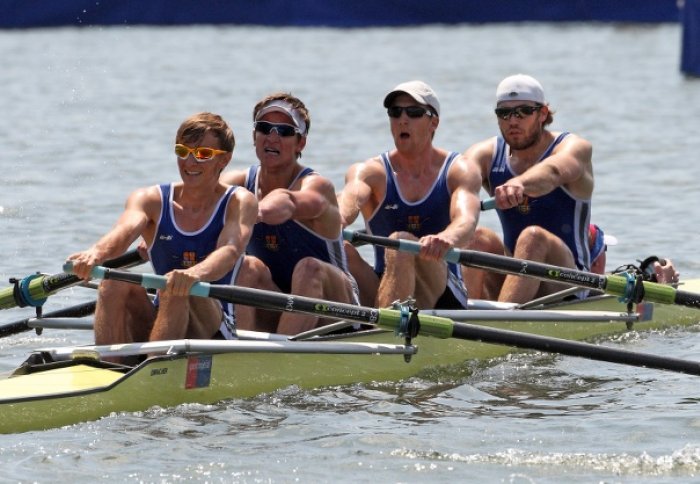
x=33, y=290
x=626, y=286
x=406, y=322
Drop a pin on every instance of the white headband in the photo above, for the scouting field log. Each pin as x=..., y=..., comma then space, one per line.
x=281, y=106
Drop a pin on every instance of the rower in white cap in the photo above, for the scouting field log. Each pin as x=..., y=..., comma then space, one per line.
x=542, y=182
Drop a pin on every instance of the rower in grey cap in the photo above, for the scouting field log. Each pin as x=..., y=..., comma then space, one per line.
x=542, y=182
x=415, y=191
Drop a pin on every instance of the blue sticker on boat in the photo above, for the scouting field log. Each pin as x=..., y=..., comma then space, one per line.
x=198, y=371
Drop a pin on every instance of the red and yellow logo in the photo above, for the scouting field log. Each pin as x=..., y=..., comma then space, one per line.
x=524, y=206
x=413, y=224
x=189, y=258
x=271, y=243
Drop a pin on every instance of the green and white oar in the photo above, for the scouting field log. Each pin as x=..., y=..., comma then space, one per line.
x=624, y=286
x=406, y=323
x=33, y=290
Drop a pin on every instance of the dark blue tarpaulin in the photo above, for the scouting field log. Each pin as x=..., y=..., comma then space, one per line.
x=333, y=13
x=690, y=56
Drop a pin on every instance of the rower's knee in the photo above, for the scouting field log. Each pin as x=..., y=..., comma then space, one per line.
x=110, y=290
x=486, y=240
x=397, y=260
x=254, y=273
x=309, y=271
x=532, y=235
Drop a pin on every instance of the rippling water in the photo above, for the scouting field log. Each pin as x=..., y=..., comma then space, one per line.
x=89, y=115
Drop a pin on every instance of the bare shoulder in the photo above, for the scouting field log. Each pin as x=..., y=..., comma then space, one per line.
x=146, y=200
x=574, y=147
x=465, y=174
x=145, y=195
x=370, y=171
x=233, y=177
x=367, y=166
x=242, y=205
x=481, y=151
x=243, y=198
x=574, y=142
x=318, y=183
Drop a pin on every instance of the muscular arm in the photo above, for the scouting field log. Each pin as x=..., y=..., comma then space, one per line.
x=464, y=182
x=142, y=206
x=363, y=184
x=569, y=166
x=478, y=158
x=313, y=199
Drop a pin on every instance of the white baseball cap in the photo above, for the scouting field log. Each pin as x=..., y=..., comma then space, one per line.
x=419, y=91
x=520, y=87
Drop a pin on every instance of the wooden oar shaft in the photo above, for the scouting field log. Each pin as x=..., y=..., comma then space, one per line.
x=618, y=285
x=32, y=291
x=395, y=319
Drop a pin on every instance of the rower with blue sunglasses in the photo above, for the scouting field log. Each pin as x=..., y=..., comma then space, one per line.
x=542, y=183
x=297, y=244
x=415, y=191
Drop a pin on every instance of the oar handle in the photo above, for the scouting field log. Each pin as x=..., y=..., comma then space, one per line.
x=403, y=245
x=149, y=281
x=488, y=204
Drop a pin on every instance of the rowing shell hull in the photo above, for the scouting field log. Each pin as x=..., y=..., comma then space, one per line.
x=67, y=392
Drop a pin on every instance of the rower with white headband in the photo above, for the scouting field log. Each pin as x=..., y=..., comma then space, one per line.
x=297, y=244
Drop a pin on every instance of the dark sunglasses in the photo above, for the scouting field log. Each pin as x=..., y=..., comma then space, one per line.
x=519, y=111
x=282, y=129
x=411, y=111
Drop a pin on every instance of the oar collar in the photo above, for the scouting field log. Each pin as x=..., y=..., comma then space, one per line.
x=22, y=294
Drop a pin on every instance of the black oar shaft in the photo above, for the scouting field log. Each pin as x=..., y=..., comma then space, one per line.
x=428, y=325
x=388, y=318
x=78, y=311
x=573, y=348
x=618, y=285
x=275, y=301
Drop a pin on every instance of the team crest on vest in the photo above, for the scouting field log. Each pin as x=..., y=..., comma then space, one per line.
x=524, y=206
x=413, y=224
x=189, y=258
x=271, y=243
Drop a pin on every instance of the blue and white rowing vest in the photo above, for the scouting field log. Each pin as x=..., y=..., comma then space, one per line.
x=174, y=248
x=429, y=215
x=559, y=212
x=282, y=246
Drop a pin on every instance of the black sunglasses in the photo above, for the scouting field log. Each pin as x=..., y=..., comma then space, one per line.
x=282, y=129
x=519, y=111
x=411, y=111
